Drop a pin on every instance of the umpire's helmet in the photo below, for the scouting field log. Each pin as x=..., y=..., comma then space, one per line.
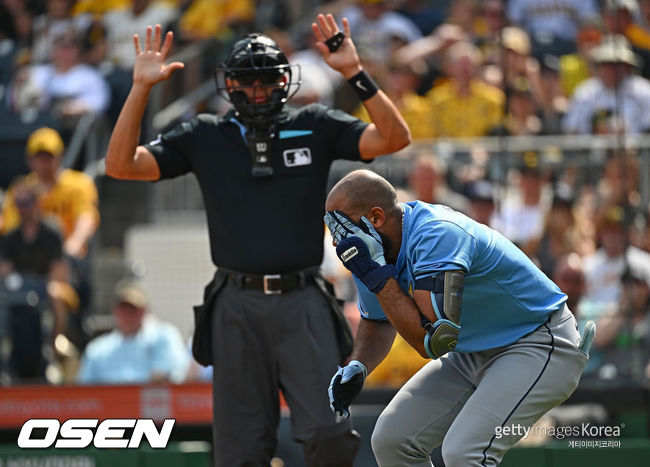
x=257, y=62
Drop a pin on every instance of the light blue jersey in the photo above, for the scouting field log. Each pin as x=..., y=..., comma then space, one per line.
x=505, y=295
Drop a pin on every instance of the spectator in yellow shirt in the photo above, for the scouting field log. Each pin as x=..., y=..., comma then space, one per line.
x=206, y=19
x=400, y=85
x=464, y=106
x=68, y=200
x=66, y=196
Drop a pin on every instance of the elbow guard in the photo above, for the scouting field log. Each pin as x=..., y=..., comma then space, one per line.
x=446, y=297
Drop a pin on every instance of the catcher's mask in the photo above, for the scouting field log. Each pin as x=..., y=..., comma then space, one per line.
x=257, y=64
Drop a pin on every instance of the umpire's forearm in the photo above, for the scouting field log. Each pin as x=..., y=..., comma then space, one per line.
x=121, y=156
x=388, y=131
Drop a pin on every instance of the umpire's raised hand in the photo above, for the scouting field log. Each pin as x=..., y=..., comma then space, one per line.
x=149, y=67
x=338, y=51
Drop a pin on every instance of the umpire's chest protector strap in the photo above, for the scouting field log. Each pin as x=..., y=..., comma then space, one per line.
x=202, y=338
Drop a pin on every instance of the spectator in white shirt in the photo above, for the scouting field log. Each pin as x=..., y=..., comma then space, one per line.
x=122, y=23
x=70, y=87
x=615, y=100
x=552, y=24
x=378, y=28
x=139, y=350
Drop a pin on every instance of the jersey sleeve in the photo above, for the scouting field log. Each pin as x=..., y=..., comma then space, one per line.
x=367, y=302
x=440, y=246
x=343, y=131
x=171, y=150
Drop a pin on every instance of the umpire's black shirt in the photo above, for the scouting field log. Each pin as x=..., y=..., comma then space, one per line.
x=262, y=225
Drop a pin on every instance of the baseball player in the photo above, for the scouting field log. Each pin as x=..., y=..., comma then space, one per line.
x=505, y=347
x=269, y=321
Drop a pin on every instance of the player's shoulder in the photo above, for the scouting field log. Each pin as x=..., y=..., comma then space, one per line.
x=426, y=212
x=436, y=220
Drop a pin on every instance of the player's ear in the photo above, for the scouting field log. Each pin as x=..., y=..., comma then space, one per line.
x=377, y=217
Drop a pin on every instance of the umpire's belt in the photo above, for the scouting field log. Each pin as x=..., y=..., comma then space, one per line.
x=272, y=284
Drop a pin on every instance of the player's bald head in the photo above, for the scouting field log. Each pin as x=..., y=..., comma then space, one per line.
x=360, y=191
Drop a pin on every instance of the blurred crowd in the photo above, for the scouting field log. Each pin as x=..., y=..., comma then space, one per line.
x=455, y=69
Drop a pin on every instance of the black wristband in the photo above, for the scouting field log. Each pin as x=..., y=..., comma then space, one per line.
x=363, y=85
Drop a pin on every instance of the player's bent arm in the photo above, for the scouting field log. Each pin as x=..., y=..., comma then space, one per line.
x=404, y=313
x=388, y=131
x=124, y=158
x=373, y=342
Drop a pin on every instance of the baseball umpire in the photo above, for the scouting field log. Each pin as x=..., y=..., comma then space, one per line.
x=268, y=321
x=504, y=345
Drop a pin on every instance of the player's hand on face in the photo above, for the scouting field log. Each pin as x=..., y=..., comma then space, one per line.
x=345, y=59
x=150, y=67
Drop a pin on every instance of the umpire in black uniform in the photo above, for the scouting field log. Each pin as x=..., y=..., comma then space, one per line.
x=268, y=320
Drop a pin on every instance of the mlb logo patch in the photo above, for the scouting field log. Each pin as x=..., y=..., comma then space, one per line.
x=297, y=157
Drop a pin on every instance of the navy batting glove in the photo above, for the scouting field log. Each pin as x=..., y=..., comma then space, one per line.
x=361, y=250
x=342, y=227
x=345, y=386
x=356, y=257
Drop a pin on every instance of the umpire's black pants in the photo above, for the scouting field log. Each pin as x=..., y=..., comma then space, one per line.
x=263, y=343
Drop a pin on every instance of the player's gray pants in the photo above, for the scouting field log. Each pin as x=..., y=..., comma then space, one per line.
x=262, y=343
x=460, y=400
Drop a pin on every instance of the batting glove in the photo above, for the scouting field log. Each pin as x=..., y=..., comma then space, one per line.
x=360, y=249
x=342, y=227
x=345, y=386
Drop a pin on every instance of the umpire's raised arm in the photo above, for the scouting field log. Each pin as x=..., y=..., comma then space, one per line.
x=124, y=158
x=388, y=132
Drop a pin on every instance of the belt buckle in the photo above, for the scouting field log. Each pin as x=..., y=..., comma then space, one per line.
x=267, y=288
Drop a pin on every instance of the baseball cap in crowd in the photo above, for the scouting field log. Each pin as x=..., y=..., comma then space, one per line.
x=628, y=5
x=614, y=49
x=480, y=190
x=530, y=163
x=611, y=217
x=515, y=39
x=549, y=64
x=563, y=195
x=131, y=292
x=45, y=140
